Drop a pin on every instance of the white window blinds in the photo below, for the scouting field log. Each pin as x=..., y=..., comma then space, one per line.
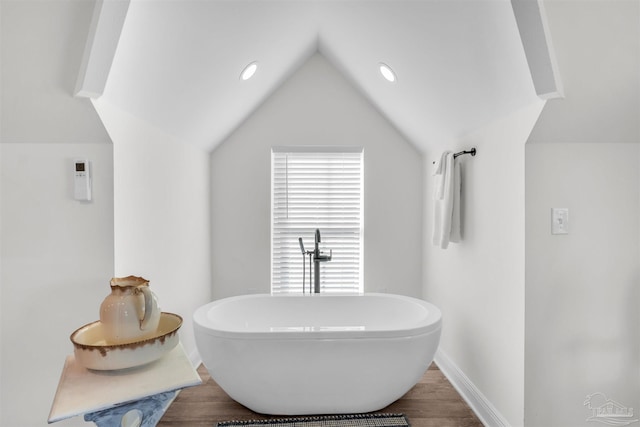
x=316, y=187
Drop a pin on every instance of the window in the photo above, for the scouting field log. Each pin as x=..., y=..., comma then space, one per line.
x=316, y=188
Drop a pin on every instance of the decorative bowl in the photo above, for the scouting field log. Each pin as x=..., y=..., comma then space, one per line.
x=92, y=351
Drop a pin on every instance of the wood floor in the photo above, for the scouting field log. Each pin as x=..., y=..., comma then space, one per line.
x=433, y=402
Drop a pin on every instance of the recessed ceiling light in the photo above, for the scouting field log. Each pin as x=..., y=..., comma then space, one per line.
x=387, y=72
x=249, y=71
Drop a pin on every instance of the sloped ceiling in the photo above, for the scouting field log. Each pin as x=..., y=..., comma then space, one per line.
x=41, y=46
x=460, y=64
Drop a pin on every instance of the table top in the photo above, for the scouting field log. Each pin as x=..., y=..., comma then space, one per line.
x=82, y=391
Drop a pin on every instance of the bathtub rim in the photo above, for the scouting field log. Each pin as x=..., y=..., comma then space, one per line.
x=431, y=324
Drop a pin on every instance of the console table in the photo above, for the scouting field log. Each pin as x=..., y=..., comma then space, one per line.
x=134, y=397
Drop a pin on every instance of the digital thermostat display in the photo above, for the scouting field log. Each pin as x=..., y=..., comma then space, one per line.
x=82, y=180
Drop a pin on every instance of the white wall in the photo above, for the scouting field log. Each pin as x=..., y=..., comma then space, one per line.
x=161, y=215
x=317, y=106
x=56, y=262
x=479, y=283
x=583, y=289
x=56, y=254
x=578, y=302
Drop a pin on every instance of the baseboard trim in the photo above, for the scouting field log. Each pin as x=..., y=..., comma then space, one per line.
x=479, y=404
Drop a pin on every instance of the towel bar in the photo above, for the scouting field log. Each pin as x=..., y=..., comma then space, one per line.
x=472, y=152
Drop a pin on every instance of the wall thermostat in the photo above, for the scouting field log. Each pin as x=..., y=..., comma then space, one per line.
x=82, y=179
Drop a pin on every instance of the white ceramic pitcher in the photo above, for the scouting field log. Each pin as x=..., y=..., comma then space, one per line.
x=130, y=313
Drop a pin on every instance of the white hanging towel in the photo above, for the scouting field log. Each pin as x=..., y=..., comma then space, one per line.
x=446, y=201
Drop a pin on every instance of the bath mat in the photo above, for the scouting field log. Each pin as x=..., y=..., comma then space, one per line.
x=351, y=420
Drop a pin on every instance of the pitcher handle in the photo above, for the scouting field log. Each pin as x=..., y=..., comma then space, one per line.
x=148, y=307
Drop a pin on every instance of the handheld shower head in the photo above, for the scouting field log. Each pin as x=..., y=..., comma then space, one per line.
x=301, y=245
x=317, y=235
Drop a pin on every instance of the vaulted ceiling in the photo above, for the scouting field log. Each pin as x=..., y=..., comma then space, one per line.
x=459, y=64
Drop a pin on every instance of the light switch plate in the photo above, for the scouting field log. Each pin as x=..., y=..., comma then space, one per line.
x=559, y=221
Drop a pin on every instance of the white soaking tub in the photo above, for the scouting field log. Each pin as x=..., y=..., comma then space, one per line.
x=317, y=354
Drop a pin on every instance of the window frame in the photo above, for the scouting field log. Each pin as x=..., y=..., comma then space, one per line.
x=330, y=230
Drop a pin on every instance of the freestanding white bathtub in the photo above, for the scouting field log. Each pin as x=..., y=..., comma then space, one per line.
x=317, y=354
